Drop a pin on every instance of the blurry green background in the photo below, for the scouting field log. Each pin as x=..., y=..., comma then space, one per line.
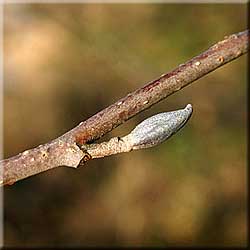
x=65, y=62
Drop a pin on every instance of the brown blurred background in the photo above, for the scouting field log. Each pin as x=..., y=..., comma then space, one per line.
x=65, y=62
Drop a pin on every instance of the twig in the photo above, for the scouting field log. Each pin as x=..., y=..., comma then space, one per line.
x=148, y=133
x=66, y=150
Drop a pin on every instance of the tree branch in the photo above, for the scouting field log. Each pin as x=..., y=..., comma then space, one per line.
x=66, y=150
x=151, y=132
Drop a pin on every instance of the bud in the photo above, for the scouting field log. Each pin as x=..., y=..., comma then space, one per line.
x=158, y=128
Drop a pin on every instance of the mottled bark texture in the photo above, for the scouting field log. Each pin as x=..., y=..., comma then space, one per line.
x=65, y=150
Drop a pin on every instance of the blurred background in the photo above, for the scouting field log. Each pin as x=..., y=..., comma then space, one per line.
x=65, y=62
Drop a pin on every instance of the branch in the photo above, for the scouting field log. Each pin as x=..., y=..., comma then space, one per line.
x=148, y=133
x=68, y=150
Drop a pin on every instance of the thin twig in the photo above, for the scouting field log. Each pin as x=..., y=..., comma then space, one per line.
x=151, y=132
x=65, y=150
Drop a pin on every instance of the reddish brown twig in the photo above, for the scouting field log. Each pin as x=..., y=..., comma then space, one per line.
x=64, y=150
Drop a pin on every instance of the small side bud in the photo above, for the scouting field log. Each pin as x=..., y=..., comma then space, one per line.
x=158, y=128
